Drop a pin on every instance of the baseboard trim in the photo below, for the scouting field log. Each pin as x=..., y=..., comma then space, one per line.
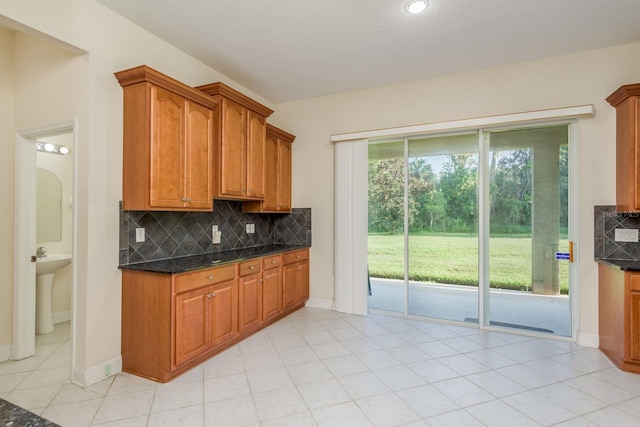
x=5, y=352
x=61, y=316
x=87, y=377
x=320, y=303
x=588, y=340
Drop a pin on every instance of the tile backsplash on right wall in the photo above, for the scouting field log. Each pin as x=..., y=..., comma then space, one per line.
x=606, y=220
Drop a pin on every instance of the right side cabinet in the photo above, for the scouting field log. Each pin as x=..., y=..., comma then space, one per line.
x=619, y=316
x=626, y=101
x=295, y=277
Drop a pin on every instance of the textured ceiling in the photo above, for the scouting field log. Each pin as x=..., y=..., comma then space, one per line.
x=286, y=50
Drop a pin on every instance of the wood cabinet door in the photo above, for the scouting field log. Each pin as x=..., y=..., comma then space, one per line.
x=192, y=324
x=166, y=149
x=301, y=281
x=284, y=176
x=198, y=155
x=288, y=286
x=256, y=134
x=223, y=309
x=271, y=293
x=271, y=167
x=249, y=302
x=233, y=146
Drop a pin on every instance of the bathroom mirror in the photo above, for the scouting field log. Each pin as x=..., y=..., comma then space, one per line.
x=49, y=207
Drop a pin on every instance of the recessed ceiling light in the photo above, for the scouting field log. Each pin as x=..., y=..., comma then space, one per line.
x=416, y=6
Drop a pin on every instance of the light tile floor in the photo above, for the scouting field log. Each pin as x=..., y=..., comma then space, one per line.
x=322, y=368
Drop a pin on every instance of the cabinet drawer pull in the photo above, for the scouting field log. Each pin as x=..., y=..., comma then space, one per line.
x=298, y=256
x=274, y=262
x=298, y=268
x=210, y=277
x=251, y=267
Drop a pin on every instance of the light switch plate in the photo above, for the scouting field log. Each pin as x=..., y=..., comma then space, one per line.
x=140, y=235
x=626, y=235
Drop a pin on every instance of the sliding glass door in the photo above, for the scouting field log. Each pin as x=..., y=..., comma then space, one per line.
x=442, y=213
x=473, y=227
x=529, y=226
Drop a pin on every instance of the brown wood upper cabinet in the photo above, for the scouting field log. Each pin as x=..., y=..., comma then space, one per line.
x=239, y=153
x=277, y=173
x=626, y=101
x=167, y=143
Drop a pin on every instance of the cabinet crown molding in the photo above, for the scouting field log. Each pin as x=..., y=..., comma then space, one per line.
x=272, y=130
x=221, y=89
x=146, y=74
x=623, y=93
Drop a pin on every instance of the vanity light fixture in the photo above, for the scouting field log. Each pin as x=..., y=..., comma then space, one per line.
x=52, y=148
x=416, y=6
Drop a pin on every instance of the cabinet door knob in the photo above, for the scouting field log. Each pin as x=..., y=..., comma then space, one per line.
x=213, y=294
x=274, y=262
x=209, y=295
x=251, y=267
x=210, y=277
x=298, y=268
x=298, y=256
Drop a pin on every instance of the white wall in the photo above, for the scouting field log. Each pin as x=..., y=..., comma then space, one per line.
x=57, y=85
x=584, y=78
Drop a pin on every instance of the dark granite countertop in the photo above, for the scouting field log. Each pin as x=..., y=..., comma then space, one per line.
x=195, y=262
x=15, y=416
x=624, y=265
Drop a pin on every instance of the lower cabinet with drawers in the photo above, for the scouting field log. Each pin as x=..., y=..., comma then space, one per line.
x=619, y=316
x=173, y=322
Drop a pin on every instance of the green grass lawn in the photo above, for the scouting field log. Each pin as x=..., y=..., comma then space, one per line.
x=453, y=259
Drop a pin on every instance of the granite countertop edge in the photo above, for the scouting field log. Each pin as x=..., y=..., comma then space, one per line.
x=208, y=260
x=622, y=264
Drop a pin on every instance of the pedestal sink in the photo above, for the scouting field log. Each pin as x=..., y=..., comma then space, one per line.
x=46, y=268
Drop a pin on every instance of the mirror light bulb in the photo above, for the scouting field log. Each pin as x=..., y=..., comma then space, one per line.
x=63, y=150
x=49, y=147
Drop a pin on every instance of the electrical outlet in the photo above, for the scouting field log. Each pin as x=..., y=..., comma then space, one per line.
x=140, y=235
x=250, y=228
x=214, y=228
x=626, y=235
x=216, y=237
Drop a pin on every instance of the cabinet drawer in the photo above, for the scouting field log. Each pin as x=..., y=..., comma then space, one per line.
x=296, y=256
x=634, y=282
x=271, y=262
x=250, y=267
x=198, y=279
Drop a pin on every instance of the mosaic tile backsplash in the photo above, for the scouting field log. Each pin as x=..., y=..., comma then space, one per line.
x=177, y=234
x=606, y=220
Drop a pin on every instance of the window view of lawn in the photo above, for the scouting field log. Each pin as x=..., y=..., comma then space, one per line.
x=451, y=258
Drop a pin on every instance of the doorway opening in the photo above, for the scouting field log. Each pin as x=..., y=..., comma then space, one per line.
x=44, y=243
x=473, y=228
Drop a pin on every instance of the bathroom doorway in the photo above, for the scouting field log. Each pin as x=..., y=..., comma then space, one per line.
x=45, y=164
